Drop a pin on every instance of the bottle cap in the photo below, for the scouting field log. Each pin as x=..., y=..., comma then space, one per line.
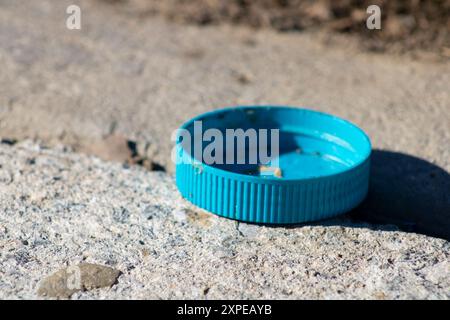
x=318, y=164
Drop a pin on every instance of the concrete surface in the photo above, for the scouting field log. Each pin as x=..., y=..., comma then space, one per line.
x=60, y=209
x=141, y=78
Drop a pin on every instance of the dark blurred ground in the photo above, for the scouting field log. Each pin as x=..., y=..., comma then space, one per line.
x=406, y=25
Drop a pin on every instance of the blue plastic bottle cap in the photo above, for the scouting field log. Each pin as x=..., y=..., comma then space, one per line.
x=322, y=169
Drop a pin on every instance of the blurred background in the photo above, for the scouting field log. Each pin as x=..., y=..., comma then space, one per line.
x=407, y=24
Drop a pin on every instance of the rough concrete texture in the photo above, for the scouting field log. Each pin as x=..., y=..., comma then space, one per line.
x=61, y=208
x=140, y=79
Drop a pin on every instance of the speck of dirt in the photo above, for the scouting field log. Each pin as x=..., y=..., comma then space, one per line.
x=198, y=218
x=7, y=141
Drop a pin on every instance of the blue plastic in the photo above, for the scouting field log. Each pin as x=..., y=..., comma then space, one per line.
x=324, y=161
